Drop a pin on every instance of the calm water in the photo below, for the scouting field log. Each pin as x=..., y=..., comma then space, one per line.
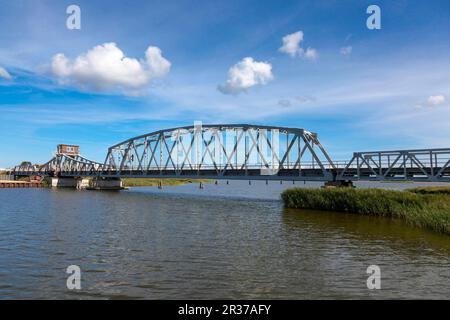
x=226, y=241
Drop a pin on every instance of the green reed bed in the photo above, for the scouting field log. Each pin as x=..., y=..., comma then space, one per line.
x=152, y=182
x=431, y=190
x=422, y=210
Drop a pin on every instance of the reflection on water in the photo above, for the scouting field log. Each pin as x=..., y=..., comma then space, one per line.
x=226, y=241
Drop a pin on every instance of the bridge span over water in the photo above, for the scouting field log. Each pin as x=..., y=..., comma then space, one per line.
x=246, y=152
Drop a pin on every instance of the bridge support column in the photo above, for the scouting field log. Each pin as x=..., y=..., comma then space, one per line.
x=105, y=184
x=62, y=182
x=83, y=183
x=339, y=184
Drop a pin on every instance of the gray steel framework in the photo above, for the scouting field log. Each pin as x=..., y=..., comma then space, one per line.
x=418, y=165
x=222, y=151
x=62, y=165
x=245, y=152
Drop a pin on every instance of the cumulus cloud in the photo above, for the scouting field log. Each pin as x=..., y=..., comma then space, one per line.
x=435, y=100
x=105, y=67
x=432, y=101
x=292, y=46
x=346, y=51
x=311, y=53
x=158, y=65
x=4, y=74
x=246, y=74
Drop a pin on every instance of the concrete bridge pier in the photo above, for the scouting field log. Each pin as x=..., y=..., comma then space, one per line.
x=81, y=183
x=105, y=184
x=62, y=182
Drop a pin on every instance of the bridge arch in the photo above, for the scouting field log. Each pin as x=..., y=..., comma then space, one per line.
x=222, y=150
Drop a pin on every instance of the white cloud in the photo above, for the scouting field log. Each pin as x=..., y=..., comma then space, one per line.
x=246, y=74
x=346, y=51
x=291, y=46
x=4, y=74
x=158, y=65
x=106, y=67
x=311, y=53
x=435, y=100
x=432, y=101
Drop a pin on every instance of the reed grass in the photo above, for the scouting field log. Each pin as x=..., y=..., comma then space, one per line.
x=152, y=182
x=431, y=190
x=430, y=211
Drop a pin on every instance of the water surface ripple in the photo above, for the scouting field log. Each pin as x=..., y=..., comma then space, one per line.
x=226, y=241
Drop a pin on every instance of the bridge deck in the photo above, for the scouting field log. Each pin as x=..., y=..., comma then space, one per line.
x=352, y=174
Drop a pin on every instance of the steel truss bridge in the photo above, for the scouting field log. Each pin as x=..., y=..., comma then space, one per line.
x=244, y=152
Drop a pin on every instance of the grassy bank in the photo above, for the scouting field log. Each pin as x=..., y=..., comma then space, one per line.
x=430, y=190
x=421, y=210
x=150, y=182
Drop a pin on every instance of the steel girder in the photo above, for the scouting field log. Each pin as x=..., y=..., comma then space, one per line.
x=62, y=165
x=416, y=165
x=221, y=151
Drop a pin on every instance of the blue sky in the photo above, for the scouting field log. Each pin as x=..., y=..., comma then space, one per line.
x=361, y=89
